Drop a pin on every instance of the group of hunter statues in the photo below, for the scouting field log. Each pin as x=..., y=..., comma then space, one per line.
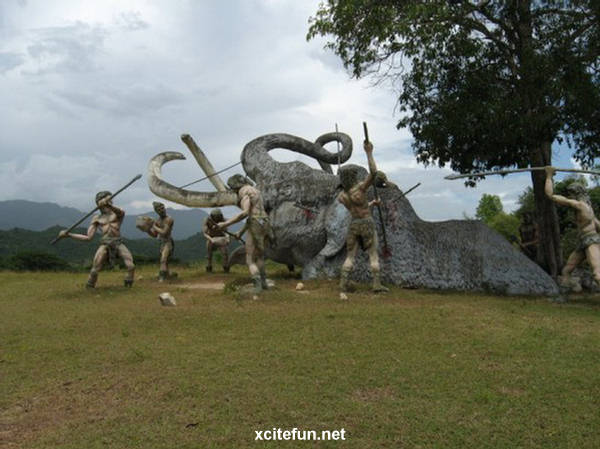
x=352, y=192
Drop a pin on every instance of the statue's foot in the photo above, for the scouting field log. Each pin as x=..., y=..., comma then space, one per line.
x=128, y=283
x=226, y=269
x=208, y=269
x=570, y=283
x=257, y=286
x=90, y=286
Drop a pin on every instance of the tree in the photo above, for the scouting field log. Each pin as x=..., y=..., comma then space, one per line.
x=483, y=84
x=505, y=224
x=489, y=206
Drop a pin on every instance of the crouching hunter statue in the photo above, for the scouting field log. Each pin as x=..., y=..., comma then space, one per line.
x=257, y=225
x=215, y=239
x=362, y=227
x=111, y=245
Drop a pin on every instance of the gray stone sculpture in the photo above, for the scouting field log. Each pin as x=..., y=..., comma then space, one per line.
x=309, y=224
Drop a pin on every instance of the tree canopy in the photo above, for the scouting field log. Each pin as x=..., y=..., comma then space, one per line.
x=483, y=83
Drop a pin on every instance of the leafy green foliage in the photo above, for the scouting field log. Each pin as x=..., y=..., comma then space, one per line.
x=36, y=261
x=505, y=224
x=489, y=206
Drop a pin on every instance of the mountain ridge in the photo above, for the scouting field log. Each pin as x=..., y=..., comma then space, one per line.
x=39, y=216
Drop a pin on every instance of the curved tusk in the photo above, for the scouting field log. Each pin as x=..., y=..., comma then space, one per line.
x=204, y=163
x=188, y=198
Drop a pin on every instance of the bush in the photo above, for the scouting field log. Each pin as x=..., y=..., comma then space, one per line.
x=36, y=261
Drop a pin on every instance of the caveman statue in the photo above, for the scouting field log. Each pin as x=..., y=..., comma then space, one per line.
x=162, y=229
x=257, y=225
x=362, y=227
x=587, y=227
x=216, y=238
x=109, y=222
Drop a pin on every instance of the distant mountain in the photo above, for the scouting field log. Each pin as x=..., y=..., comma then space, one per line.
x=34, y=216
x=22, y=240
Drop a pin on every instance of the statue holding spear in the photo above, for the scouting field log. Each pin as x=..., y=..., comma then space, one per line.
x=111, y=245
x=588, y=225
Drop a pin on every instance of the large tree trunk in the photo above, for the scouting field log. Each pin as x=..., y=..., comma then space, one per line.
x=546, y=214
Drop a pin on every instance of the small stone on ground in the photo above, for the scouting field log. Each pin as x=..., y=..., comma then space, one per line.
x=166, y=299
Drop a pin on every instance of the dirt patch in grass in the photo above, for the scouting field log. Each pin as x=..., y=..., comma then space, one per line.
x=203, y=286
x=373, y=394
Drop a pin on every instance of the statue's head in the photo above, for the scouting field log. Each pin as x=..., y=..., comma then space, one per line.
x=381, y=179
x=159, y=208
x=101, y=195
x=350, y=174
x=216, y=215
x=236, y=182
x=577, y=190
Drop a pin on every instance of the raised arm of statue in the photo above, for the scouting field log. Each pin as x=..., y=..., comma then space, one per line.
x=549, y=190
x=368, y=147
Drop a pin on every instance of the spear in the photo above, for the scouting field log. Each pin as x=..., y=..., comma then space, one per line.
x=386, y=250
x=97, y=207
x=519, y=170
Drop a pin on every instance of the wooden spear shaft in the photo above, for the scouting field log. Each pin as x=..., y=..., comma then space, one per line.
x=386, y=250
x=519, y=170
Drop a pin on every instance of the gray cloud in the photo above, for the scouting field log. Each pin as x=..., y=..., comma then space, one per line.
x=9, y=61
x=66, y=49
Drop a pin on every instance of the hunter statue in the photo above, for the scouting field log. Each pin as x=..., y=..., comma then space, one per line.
x=111, y=245
x=162, y=229
x=216, y=238
x=588, y=246
x=361, y=231
x=257, y=225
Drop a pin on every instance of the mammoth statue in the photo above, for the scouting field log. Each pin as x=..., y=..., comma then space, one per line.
x=310, y=225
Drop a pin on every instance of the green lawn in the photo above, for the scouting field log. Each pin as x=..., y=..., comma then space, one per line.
x=111, y=368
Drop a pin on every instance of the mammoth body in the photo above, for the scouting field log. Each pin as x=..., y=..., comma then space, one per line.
x=310, y=225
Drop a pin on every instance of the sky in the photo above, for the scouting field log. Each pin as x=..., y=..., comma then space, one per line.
x=92, y=90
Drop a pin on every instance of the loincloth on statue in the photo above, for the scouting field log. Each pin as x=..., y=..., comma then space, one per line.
x=167, y=243
x=260, y=230
x=112, y=246
x=361, y=231
x=587, y=240
x=218, y=242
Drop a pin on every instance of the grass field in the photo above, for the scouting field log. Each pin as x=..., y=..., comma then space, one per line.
x=111, y=368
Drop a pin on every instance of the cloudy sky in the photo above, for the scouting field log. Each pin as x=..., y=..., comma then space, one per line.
x=92, y=90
